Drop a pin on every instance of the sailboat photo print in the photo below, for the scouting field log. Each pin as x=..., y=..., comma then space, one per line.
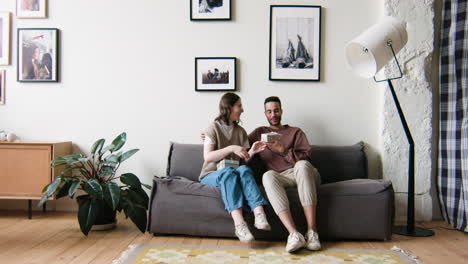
x=295, y=43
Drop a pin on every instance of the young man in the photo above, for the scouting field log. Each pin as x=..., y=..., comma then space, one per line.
x=287, y=161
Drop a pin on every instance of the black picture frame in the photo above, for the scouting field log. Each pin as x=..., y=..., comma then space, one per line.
x=215, y=10
x=223, y=71
x=295, y=36
x=38, y=55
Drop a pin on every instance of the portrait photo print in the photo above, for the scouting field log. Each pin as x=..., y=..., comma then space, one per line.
x=38, y=54
x=31, y=8
x=295, y=43
x=210, y=9
x=215, y=74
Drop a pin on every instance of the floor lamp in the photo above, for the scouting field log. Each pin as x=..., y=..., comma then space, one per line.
x=366, y=55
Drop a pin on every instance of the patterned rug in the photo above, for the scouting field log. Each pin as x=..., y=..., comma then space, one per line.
x=167, y=254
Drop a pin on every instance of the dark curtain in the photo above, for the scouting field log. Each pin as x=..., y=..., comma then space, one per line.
x=453, y=142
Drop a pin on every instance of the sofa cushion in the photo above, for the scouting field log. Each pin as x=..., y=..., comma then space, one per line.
x=339, y=163
x=185, y=160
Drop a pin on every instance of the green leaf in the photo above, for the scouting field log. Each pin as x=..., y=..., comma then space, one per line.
x=64, y=189
x=87, y=212
x=106, y=171
x=112, y=195
x=97, y=146
x=114, y=158
x=130, y=179
x=93, y=188
x=74, y=157
x=136, y=214
x=136, y=197
x=147, y=186
x=45, y=188
x=64, y=171
x=143, y=197
x=43, y=200
x=74, y=186
x=119, y=141
x=59, y=163
x=53, y=186
x=110, y=164
x=73, y=162
x=109, y=147
x=84, y=160
x=127, y=155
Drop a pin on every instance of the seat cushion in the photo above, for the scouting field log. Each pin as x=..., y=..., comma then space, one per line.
x=354, y=187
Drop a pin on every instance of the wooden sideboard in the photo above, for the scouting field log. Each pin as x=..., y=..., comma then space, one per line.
x=25, y=168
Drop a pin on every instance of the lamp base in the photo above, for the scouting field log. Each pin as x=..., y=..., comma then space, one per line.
x=416, y=232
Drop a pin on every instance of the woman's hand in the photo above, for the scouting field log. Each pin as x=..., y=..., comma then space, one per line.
x=257, y=147
x=240, y=152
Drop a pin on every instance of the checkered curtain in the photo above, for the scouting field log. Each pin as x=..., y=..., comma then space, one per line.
x=453, y=141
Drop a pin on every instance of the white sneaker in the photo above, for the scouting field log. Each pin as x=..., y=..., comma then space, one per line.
x=295, y=241
x=243, y=233
x=313, y=242
x=261, y=222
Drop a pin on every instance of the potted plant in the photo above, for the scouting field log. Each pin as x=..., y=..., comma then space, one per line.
x=96, y=175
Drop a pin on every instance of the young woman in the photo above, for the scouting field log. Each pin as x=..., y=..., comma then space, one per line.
x=226, y=139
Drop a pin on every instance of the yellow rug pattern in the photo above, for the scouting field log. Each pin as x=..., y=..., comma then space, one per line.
x=164, y=254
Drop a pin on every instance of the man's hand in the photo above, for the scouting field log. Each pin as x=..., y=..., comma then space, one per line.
x=257, y=147
x=203, y=135
x=240, y=151
x=276, y=146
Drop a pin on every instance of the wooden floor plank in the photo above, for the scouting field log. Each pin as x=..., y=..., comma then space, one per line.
x=194, y=241
x=209, y=242
x=56, y=238
x=81, y=244
x=116, y=242
x=17, y=245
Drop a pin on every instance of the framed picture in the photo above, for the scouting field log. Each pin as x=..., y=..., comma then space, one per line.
x=294, y=43
x=31, y=8
x=4, y=38
x=215, y=74
x=2, y=86
x=38, y=56
x=210, y=9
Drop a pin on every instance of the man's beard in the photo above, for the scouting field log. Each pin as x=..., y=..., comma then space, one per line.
x=277, y=123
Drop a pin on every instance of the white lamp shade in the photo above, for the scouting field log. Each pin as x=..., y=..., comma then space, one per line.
x=369, y=52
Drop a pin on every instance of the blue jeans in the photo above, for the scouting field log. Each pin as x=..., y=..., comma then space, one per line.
x=238, y=187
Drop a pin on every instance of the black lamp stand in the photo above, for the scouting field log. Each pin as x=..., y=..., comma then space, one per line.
x=409, y=229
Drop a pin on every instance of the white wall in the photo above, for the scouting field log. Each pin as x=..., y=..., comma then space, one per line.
x=129, y=66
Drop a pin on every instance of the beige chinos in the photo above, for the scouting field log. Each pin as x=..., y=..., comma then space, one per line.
x=303, y=175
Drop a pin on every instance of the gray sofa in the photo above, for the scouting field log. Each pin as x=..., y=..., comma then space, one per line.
x=350, y=206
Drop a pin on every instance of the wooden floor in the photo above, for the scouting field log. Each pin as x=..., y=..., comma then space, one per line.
x=54, y=237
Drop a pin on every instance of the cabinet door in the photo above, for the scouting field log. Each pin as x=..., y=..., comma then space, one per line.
x=24, y=170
